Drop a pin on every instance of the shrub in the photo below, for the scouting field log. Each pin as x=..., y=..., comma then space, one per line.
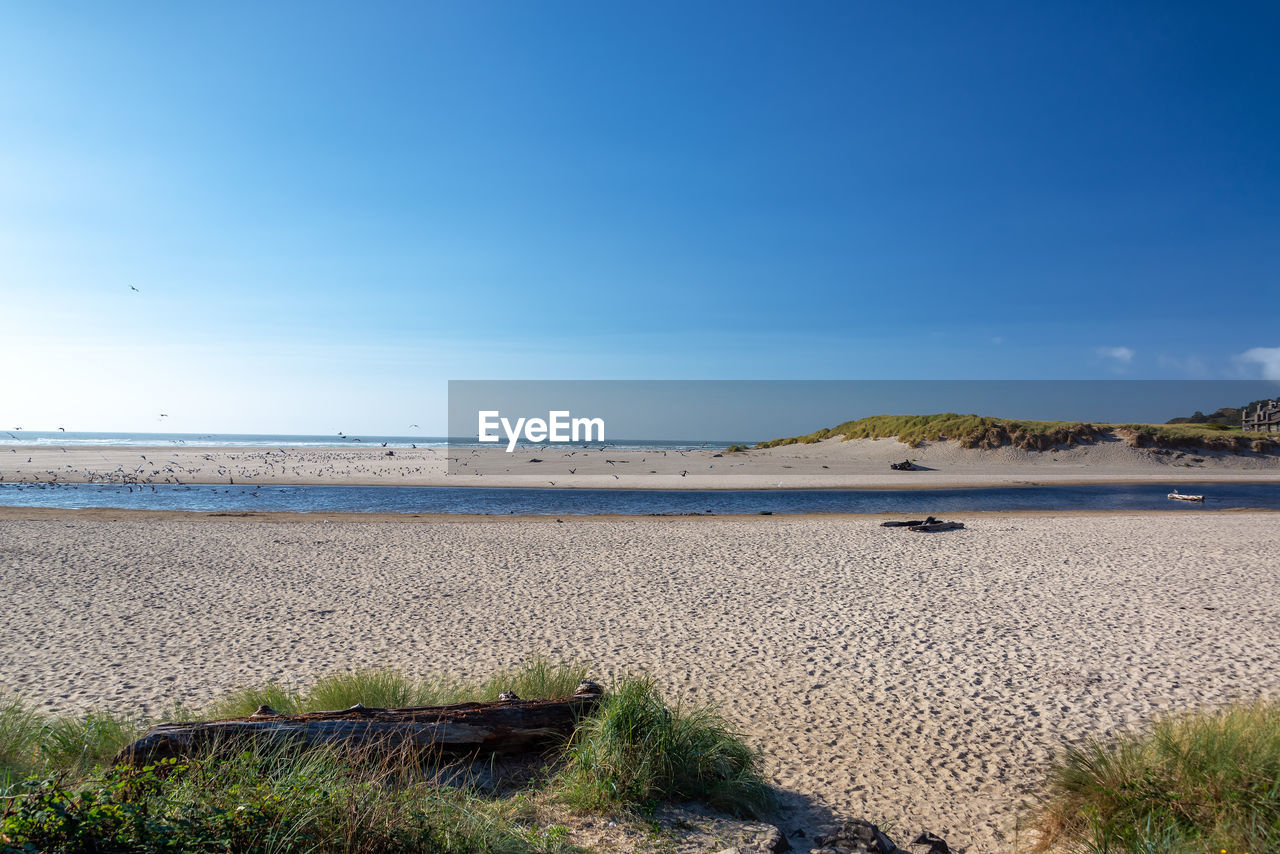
x=253, y=802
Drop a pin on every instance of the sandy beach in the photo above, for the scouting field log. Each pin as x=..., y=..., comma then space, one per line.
x=860, y=463
x=916, y=679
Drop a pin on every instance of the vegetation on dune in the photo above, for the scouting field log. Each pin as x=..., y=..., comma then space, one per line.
x=1206, y=781
x=1209, y=437
x=633, y=752
x=985, y=432
x=971, y=431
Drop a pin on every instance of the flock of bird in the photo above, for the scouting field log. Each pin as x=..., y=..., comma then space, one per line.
x=246, y=467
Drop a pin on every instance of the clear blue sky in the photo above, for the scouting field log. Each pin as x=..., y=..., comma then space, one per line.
x=329, y=210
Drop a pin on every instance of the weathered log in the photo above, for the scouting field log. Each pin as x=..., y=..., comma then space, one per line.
x=462, y=729
x=913, y=523
x=937, y=526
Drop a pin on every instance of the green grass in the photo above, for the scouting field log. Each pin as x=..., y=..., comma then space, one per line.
x=386, y=689
x=980, y=431
x=639, y=750
x=634, y=751
x=1199, y=782
x=31, y=743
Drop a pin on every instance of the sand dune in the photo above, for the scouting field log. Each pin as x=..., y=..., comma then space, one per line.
x=920, y=679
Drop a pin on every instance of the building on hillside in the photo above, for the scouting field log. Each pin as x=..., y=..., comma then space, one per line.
x=1265, y=418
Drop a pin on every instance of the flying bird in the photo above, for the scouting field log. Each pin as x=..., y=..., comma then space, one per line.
x=135, y=290
x=63, y=429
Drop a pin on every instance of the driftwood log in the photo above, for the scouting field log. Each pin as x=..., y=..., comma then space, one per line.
x=928, y=525
x=507, y=726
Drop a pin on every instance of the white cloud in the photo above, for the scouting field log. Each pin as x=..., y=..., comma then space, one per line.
x=1121, y=355
x=1267, y=357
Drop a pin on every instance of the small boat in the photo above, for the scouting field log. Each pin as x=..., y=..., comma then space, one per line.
x=1178, y=496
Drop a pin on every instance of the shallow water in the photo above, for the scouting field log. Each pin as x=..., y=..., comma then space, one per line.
x=213, y=498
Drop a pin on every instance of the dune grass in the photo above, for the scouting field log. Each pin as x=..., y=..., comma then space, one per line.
x=638, y=749
x=32, y=743
x=980, y=431
x=634, y=751
x=386, y=689
x=1204, y=781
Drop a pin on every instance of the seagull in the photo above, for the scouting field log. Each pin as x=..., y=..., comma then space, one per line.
x=135, y=290
x=164, y=415
x=411, y=426
x=63, y=429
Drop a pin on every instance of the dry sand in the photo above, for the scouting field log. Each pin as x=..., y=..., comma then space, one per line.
x=916, y=679
x=861, y=463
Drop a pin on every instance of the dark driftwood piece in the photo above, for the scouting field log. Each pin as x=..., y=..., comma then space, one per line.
x=927, y=525
x=937, y=526
x=509, y=726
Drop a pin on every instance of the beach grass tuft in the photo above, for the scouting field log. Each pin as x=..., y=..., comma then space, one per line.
x=31, y=743
x=20, y=728
x=1203, y=781
x=637, y=749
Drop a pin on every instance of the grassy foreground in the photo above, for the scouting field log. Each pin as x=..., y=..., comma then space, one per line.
x=1200, y=782
x=981, y=431
x=633, y=752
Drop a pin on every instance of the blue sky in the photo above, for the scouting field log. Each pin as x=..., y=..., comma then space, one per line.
x=329, y=211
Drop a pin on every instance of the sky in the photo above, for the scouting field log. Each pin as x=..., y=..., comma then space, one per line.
x=329, y=211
